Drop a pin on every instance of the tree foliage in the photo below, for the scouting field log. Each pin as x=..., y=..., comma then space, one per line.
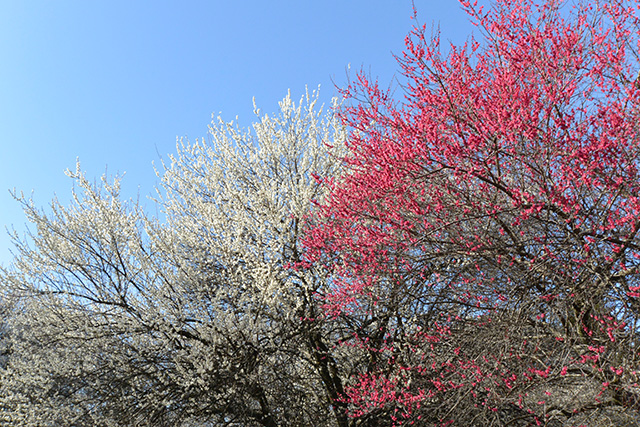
x=470, y=256
x=120, y=319
x=494, y=213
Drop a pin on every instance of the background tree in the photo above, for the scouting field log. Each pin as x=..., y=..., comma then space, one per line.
x=121, y=319
x=489, y=222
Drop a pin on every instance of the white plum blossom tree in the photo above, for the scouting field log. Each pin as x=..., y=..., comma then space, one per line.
x=201, y=318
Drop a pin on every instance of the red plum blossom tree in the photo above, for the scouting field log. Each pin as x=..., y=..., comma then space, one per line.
x=486, y=229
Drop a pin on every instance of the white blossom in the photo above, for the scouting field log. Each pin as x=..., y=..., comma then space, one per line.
x=117, y=318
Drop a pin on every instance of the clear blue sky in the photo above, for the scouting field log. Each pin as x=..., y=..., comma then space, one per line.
x=115, y=82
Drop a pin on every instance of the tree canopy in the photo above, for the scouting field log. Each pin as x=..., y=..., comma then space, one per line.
x=466, y=255
x=498, y=204
x=120, y=319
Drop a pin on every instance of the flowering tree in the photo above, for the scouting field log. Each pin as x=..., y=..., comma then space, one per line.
x=487, y=225
x=120, y=319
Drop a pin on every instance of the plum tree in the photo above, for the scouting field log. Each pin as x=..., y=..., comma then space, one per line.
x=489, y=221
x=121, y=319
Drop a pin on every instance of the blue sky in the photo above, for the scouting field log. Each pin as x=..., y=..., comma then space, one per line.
x=113, y=83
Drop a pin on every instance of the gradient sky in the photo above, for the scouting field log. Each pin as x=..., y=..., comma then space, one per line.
x=113, y=83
